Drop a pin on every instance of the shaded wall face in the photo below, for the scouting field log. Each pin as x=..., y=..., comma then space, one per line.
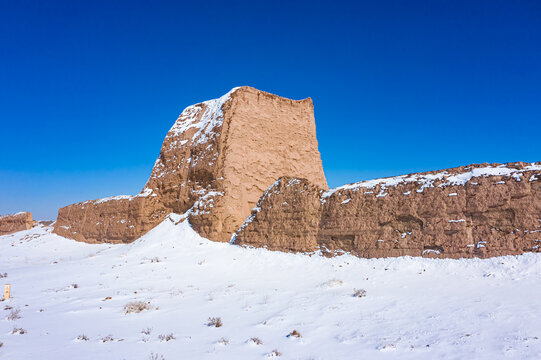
x=187, y=165
x=286, y=218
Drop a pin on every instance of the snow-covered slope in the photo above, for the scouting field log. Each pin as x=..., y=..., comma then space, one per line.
x=414, y=308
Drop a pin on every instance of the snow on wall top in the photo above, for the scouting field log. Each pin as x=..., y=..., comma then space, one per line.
x=13, y=215
x=209, y=120
x=206, y=118
x=145, y=193
x=427, y=180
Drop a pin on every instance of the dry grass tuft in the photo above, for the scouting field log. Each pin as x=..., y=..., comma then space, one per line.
x=166, y=337
x=82, y=337
x=19, y=331
x=214, y=321
x=275, y=353
x=223, y=341
x=153, y=356
x=14, y=315
x=136, y=307
x=359, y=293
x=332, y=283
x=256, y=341
x=107, y=338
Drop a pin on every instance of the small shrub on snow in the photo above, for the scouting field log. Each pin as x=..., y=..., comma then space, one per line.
x=256, y=341
x=150, y=260
x=7, y=307
x=214, y=321
x=146, y=334
x=223, y=341
x=332, y=283
x=107, y=338
x=153, y=356
x=295, y=333
x=274, y=353
x=19, y=331
x=82, y=337
x=136, y=307
x=1, y=344
x=4, y=275
x=14, y=315
x=166, y=337
x=359, y=293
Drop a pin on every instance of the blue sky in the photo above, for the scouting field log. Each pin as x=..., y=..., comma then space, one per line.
x=88, y=90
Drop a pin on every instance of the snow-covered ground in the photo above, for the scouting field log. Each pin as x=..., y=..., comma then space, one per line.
x=414, y=308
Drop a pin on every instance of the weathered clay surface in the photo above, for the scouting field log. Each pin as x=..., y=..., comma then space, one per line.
x=474, y=211
x=215, y=162
x=117, y=219
x=16, y=222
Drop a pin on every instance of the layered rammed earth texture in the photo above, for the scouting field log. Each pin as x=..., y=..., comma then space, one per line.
x=215, y=162
x=474, y=211
x=15, y=222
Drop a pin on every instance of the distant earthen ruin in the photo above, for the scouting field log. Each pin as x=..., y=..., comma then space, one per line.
x=221, y=155
x=12, y=223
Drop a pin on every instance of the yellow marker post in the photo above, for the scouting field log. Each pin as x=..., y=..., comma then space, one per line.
x=7, y=290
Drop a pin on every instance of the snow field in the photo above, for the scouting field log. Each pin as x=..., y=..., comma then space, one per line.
x=414, y=308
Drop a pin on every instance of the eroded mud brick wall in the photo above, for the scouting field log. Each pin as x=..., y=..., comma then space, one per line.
x=215, y=162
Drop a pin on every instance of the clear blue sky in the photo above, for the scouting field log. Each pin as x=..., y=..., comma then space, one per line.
x=89, y=89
